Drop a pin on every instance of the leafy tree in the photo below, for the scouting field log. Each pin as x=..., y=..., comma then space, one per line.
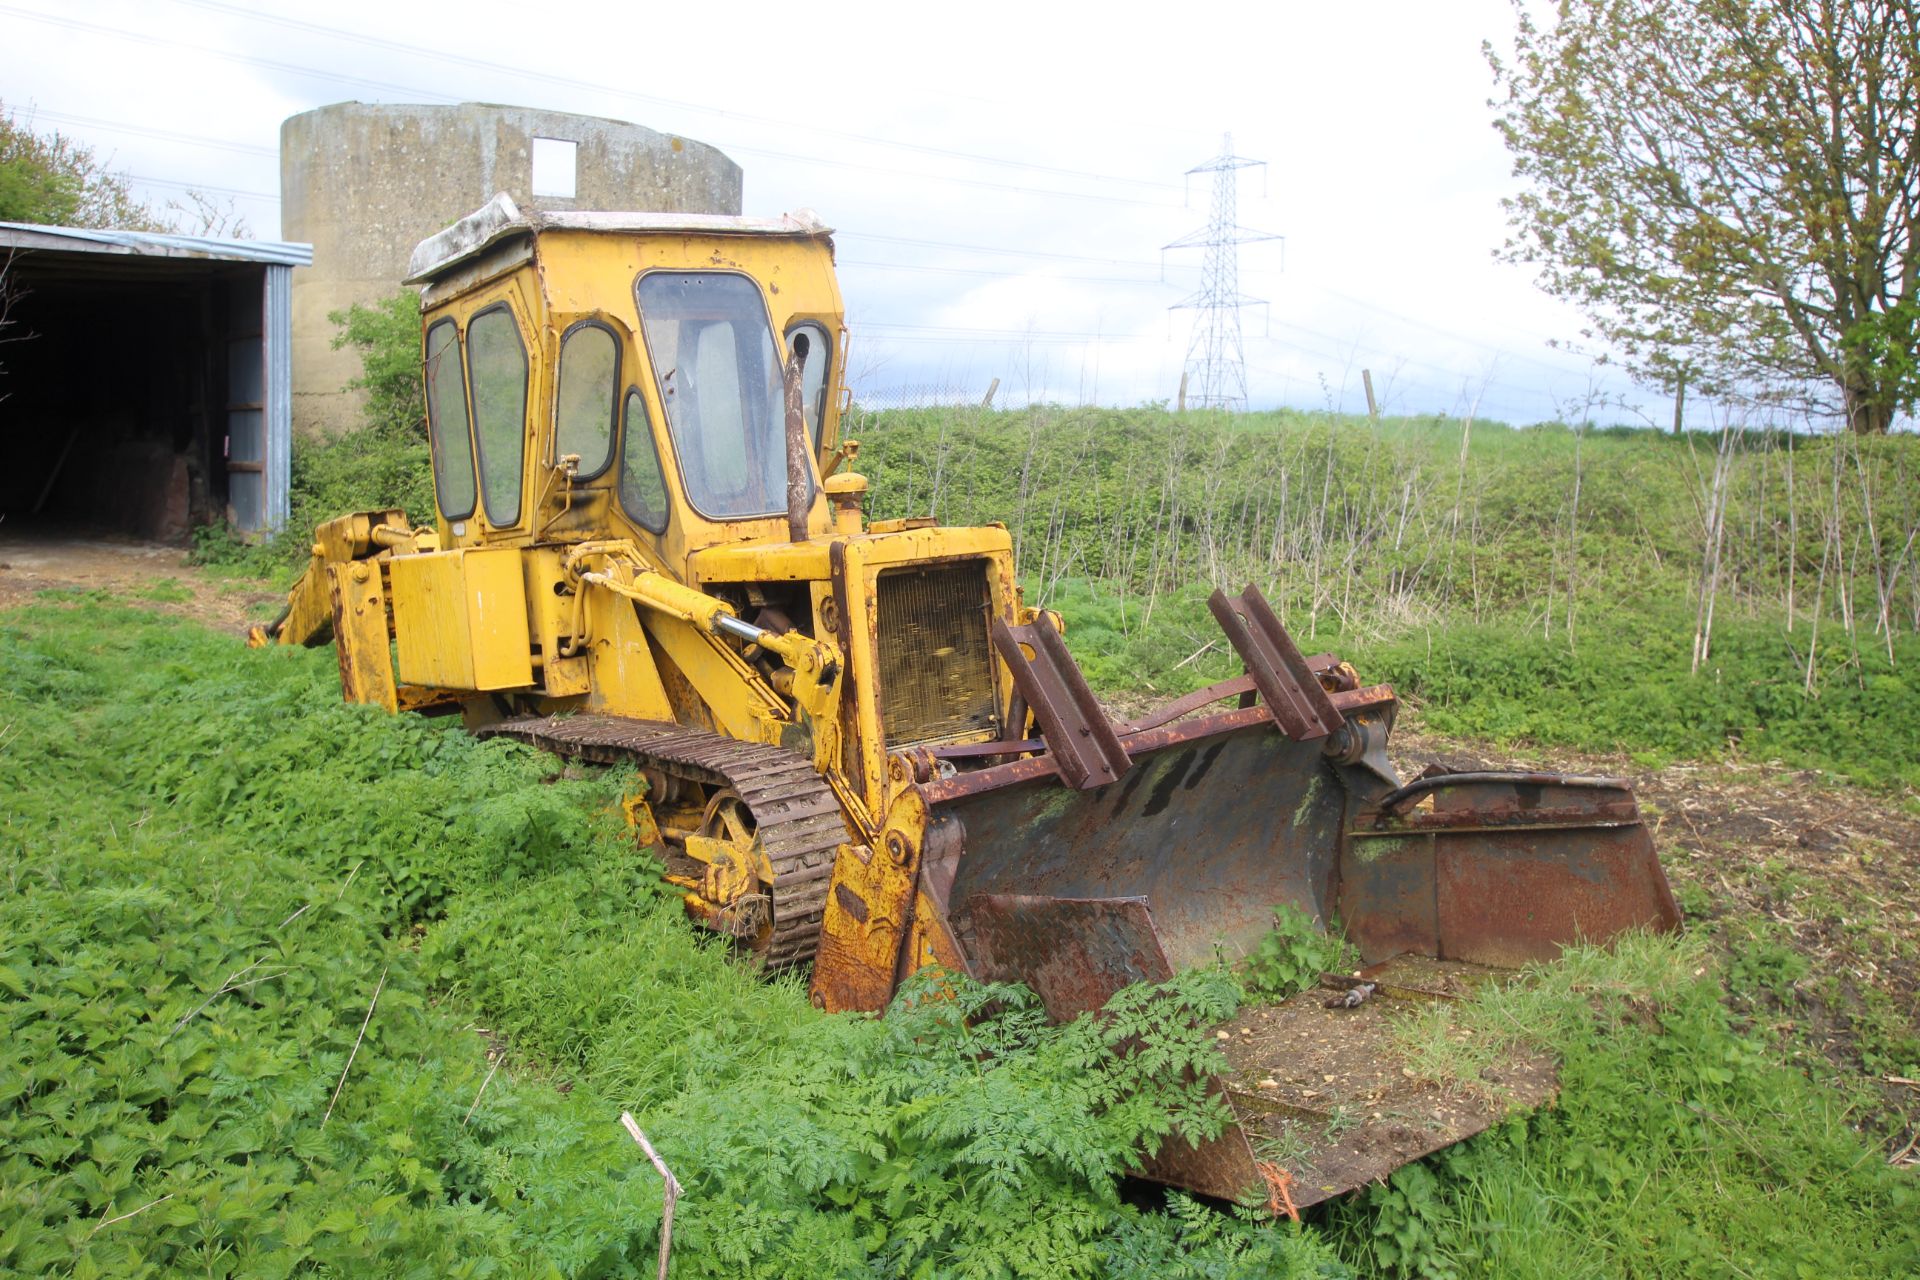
x=386, y=333
x=54, y=180
x=1728, y=188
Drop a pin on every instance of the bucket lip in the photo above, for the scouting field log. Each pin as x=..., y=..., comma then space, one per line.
x=1143, y=741
x=962, y=785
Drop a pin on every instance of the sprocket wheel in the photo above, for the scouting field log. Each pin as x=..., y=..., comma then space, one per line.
x=727, y=818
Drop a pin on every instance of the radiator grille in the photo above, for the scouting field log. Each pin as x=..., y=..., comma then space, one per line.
x=936, y=668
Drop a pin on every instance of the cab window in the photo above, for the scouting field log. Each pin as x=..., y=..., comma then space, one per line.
x=497, y=372
x=448, y=432
x=813, y=378
x=643, y=487
x=587, y=396
x=719, y=377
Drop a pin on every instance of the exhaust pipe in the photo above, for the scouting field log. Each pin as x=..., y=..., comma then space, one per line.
x=798, y=489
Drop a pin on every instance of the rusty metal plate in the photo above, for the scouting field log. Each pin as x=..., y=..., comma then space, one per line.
x=1076, y=953
x=1081, y=741
x=1387, y=898
x=1292, y=691
x=1514, y=897
x=1328, y=1095
x=1501, y=869
x=1213, y=832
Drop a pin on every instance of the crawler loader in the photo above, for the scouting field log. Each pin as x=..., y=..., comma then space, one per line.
x=861, y=752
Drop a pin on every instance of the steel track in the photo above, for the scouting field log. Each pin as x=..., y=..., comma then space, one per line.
x=795, y=813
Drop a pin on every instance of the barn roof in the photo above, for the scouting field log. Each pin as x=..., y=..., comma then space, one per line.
x=151, y=244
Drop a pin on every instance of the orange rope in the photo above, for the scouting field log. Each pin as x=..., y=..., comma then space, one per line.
x=1279, y=1189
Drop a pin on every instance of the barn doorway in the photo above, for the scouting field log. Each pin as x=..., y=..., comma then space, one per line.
x=144, y=383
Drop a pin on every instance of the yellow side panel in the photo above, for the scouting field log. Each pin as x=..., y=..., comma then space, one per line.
x=460, y=619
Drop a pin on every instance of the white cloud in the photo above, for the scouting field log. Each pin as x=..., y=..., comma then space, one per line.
x=1384, y=174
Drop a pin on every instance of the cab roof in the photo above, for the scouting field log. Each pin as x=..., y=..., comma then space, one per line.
x=500, y=219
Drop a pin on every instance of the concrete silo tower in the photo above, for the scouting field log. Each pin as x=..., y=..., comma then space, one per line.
x=364, y=183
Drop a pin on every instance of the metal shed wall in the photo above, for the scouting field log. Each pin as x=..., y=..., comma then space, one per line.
x=276, y=325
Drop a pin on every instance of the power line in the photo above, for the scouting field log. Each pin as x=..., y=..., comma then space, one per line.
x=1364, y=304
x=60, y=117
x=1315, y=345
x=1042, y=255
x=1430, y=327
x=95, y=122
x=893, y=332
x=383, y=86
x=980, y=183
x=981, y=248
x=224, y=55
x=997, y=275
x=165, y=135
x=201, y=186
x=570, y=82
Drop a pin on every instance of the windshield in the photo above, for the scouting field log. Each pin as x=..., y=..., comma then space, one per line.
x=719, y=373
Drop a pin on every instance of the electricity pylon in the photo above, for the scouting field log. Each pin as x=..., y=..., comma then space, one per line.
x=1216, y=367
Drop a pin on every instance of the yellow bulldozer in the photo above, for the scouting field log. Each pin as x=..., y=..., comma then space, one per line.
x=858, y=750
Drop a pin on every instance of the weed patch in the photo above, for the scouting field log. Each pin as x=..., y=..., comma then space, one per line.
x=212, y=864
x=1680, y=1144
x=1293, y=956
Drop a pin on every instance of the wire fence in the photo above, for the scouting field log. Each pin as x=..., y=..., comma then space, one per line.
x=927, y=395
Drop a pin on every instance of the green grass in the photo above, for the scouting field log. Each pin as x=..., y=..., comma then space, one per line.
x=1679, y=1146
x=1625, y=683
x=1502, y=606
x=165, y=591
x=212, y=864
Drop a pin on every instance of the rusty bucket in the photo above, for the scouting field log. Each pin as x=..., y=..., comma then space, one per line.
x=1170, y=843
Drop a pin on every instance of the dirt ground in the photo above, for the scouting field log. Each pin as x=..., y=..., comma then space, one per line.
x=1325, y=1091
x=1809, y=887
x=150, y=574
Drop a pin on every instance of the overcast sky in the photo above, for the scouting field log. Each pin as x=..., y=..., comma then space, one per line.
x=1002, y=176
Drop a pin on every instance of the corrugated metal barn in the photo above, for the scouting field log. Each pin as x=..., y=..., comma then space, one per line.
x=145, y=381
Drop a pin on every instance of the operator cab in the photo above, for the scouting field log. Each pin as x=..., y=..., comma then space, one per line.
x=588, y=373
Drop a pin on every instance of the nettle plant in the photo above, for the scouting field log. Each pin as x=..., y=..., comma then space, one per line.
x=196, y=1076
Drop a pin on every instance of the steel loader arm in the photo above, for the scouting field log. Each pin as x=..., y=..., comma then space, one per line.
x=342, y=596
x=308, y=617
x=741, y=698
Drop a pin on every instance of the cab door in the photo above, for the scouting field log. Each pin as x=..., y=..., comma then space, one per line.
x=507, y=395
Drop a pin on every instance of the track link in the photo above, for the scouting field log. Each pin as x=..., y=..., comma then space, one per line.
x=796, y=815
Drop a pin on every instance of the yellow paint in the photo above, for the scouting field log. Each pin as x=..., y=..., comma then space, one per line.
x=551, y=624
x=622, y=679
x=576, y=605
x=460, y=619
x=359, y=613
